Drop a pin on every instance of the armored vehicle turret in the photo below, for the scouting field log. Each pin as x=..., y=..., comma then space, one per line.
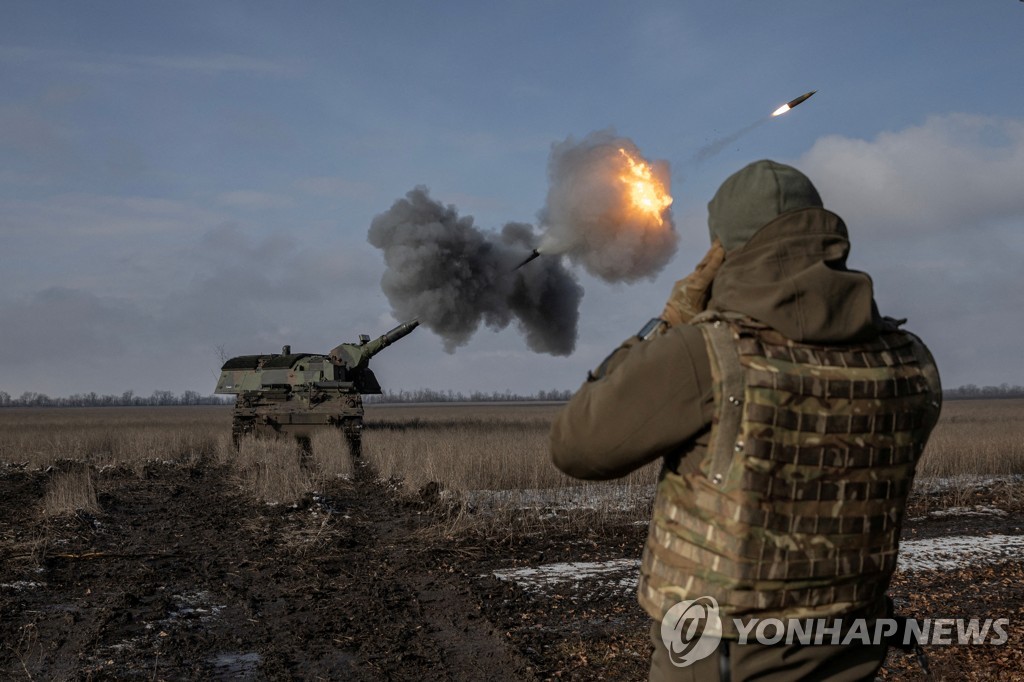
x=299, y=394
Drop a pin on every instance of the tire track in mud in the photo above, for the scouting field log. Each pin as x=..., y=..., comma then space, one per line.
x=181, y=576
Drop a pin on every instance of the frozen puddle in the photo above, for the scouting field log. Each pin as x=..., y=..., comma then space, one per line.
x=934, y=554
x=234, y=666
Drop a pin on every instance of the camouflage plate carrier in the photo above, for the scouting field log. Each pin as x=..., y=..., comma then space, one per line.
x=301, y=393
x=797, y=508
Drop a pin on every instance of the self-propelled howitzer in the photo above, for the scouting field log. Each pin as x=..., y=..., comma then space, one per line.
x=299, y=394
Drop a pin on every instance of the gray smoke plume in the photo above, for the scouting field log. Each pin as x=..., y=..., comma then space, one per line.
x=454, y=276
x=591, y=214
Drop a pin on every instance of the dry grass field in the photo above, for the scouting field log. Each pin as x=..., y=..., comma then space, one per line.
x=495, y=447
x=491, y=447
x=490, y=465
x=460, y=448
x=81, y=441
x=976, y=438
x=120, y=436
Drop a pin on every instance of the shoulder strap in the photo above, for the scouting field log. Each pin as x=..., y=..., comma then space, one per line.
x=729, y=385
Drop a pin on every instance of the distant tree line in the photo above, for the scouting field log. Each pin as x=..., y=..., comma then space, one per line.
x=166, y=398
x=126, y=399
x=970, y=391
x=429, y=395
x=421, y=395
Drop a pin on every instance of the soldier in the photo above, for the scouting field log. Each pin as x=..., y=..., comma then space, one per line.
x=789, y=417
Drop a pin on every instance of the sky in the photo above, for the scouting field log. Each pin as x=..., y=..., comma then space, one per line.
x=180, y=181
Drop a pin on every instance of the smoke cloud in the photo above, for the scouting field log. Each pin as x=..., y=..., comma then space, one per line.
x=591, y=216
x=454, y=276
x=607, y=210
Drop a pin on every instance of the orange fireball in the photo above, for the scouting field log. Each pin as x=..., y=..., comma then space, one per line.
x=646, y=193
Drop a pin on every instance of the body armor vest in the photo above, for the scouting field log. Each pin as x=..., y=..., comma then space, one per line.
x=797, y=506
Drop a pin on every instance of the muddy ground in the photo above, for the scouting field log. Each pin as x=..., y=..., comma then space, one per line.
x=181, y=576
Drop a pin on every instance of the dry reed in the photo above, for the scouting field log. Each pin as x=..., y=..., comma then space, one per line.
x=330, y=455
x=470, y=448
x=71, y=490
x=976, y=438
x=491, y=465
x=463, y=448
x=503, y=449
x=271, y=468
x=130, y=436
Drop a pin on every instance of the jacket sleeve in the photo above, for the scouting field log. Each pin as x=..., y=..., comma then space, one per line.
x=646, y=399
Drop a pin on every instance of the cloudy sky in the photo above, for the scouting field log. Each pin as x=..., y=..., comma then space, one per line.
x=179, y=178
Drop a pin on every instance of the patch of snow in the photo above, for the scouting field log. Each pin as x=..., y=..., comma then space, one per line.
x=22, y=585
x=124, y=645
x=615, y=572
x=956, y=551
x=194, y=605
x=568, y=571
x=933, y=554
x=960, y=512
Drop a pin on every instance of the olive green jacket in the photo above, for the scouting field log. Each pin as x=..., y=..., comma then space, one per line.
x=653, y=398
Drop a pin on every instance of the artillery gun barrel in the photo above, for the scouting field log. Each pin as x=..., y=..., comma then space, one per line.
x=357, y=355
x=388, y=338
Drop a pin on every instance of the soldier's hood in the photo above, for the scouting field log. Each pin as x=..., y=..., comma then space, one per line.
x=791, y=274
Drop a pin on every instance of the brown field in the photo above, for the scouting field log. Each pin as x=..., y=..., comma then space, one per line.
x=102, y=436
x=138, y=543
x=976, y=437
x=462, y=448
